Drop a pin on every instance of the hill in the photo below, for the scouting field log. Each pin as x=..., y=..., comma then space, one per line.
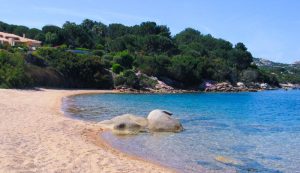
x=285, y=73
x=94, y=55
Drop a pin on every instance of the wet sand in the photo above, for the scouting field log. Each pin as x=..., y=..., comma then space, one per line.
x=35, y=136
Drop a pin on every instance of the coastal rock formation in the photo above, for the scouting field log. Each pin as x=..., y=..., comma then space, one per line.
x=125, y=124
x=157, y=121
x=162, y=121
x=222, y=87
x=240, y=84
x=290, y=86
x=239, y=87
x=163, y=86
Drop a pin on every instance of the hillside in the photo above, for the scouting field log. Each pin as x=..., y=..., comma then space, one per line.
x=285, y=73
x=84, y=55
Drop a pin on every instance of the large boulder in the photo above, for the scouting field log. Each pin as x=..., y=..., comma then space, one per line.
x=125, y=124
x=162, y=121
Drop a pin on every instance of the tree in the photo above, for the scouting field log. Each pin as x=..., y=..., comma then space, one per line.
x=51, y=29
x=186, y=69
x=153, y=65
x=241, y=46
x=51, y=38
x=187, y=36
x=20, y=30
x=128, y=79
x=249, y=76
x=117, y=68
x=124, y=59
x=32, y=33
x=116, y=30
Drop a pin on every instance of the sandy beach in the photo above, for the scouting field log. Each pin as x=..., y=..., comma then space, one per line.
x=37, y=137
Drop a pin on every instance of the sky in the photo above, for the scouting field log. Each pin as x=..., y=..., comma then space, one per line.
x=269, y=28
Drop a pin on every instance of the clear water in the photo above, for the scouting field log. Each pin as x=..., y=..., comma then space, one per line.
x=261, y=130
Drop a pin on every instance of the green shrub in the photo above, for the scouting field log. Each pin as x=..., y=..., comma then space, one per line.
x=147, y=82
x=128, y=79
x=124, y=59
x=81, y=48
x=117, y=68
x=98, y=52
x=12, y=71
x=79, y=70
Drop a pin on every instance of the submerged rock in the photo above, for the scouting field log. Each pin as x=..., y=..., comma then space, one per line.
x=127, y=127
x=162, y=121
x=227, y=160
x=125, y=124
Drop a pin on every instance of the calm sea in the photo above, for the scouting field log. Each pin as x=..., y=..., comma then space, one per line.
x=259, y=130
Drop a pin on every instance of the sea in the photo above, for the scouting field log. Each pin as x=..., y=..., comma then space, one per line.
x=251, y=131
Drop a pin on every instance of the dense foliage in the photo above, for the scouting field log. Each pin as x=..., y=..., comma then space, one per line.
x=85, y=52
x=12, y=71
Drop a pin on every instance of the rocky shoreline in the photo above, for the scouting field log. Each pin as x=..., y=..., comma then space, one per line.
x=206, y=87
x=166, y=85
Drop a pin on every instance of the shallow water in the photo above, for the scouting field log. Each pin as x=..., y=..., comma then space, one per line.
x=259, y=130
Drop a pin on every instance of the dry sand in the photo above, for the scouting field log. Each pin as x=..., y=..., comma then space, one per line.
x=35, y=136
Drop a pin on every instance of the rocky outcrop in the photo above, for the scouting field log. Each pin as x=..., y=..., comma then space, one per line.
x=239, y=87
x=226, y=87
x=162, y=86
x=290, y=86
x=162, y=121
x=157, y=121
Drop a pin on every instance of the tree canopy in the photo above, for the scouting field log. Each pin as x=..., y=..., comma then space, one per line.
x=188, y=57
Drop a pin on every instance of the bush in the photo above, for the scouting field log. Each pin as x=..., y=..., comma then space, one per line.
x=128, y=79
x=124, y=59
x=12, y=71
x=249, y=76
x=147, y=82
x=81, y=48
x=98, y=52
x=79, y=70
x=153, y=65
x=117, y=68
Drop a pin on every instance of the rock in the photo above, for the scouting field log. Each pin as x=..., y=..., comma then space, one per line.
x=131, y=118
x=264, y=86
x=227, y=160
x=162, y=121
x=290, y=86
x=157, y=120
x=125, y=124
x=240, y=84
x=126, y=128
x=161, y=85
x=106, y=124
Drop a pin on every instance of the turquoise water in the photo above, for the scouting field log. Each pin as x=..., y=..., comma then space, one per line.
x=260, y=130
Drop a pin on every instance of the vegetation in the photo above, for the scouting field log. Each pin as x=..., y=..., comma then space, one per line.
x=285, y=73
x=82, y=55
x=12, y=71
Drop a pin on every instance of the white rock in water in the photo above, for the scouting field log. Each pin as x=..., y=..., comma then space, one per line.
x=161, y=120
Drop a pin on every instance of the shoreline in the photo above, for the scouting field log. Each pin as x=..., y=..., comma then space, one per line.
x=94, y=135
x=38, y=137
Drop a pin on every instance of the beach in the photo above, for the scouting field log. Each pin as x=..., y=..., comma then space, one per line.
x=37, y=137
